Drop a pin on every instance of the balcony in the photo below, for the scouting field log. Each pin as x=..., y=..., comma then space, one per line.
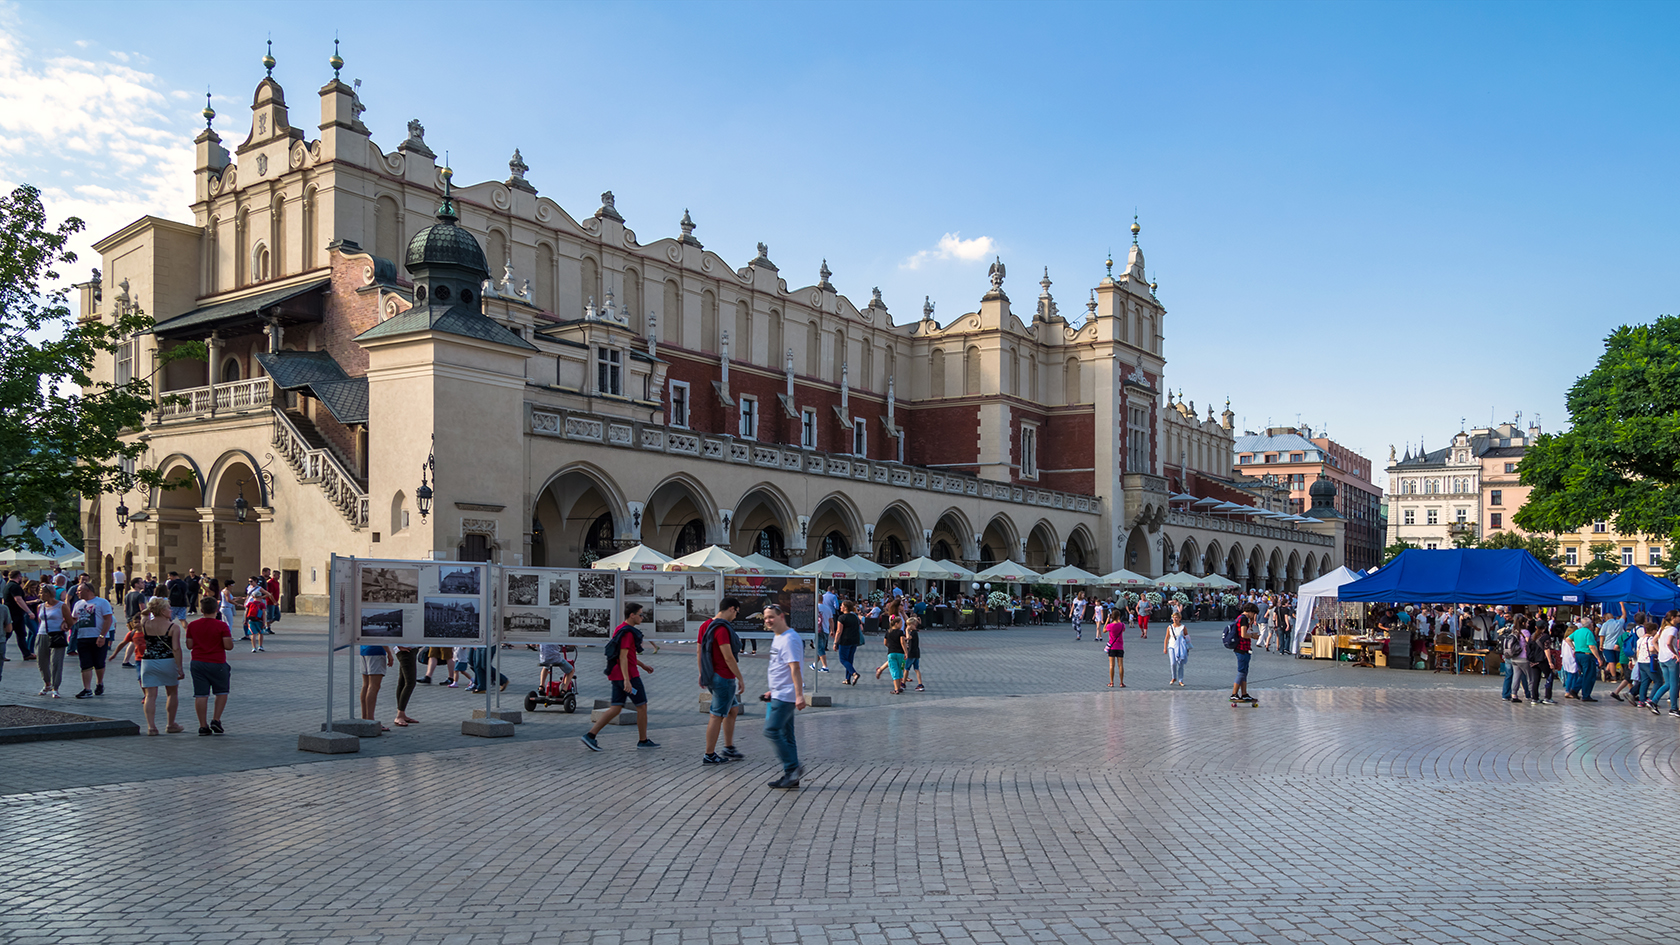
x=1220, y=523
x=234, y=397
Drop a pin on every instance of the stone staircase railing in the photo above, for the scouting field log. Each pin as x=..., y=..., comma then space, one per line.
x=321, y=467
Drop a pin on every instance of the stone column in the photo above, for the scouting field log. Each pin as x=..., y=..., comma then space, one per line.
x=214, y=347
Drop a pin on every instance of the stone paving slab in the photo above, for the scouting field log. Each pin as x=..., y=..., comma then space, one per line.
x=1017, y=801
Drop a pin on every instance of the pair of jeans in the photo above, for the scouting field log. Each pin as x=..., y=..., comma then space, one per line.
x=847, y=654
x=1518, y=680
x=1510, y=674
x=406, y=668
x=1542, y=670
x=1647, y=683
x=1178, y=667
x=1670, y=686
x=778, y=727
x=1586, y=673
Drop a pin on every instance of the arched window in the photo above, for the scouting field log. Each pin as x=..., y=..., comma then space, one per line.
x=631, y=303
x=690, y=539
x=838, y=360
x=986, y=555
x=813, y=348
x=769, y=543
x=496, y=254
x=311, y=229
x=865, y=379
x=230, y=370
x=740, y=343
x=936, y=374
x=399, y=514
x=835, y=543
x=708, y=322
x=545, y=277
x=259, y=263
x=598, y=543
x=941, y=551
x=774, y=354
x=1071, y=382
x=890, y=552
x=971, y=370
x=671, y=316
x=387, y=238
x=589, y=286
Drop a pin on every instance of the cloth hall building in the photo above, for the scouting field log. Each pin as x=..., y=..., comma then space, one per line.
x=567, y=387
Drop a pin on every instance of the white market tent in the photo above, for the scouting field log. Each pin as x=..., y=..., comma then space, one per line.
x=923, y=569
x=639, y=558
x=1125, y=578
x=1306, y=599
x=768, y=565
x=1180, y=579
x=1008, y=572
x=712, y=558
x=1221, y=581
x=841, y=569
x=1068, y=575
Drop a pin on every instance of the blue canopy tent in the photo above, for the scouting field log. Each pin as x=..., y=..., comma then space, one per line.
x=1633, y=586
x=1463, y=576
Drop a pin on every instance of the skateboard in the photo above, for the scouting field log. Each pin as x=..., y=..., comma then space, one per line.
x=1251, y=703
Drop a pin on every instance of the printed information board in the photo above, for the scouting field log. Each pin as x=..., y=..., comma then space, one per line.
x=559, y=605
x=421, y=603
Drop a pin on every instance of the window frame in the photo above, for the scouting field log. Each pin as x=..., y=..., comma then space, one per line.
x=609, y=371
x=747, y=424
x=1496, y=497
x=860, y=437
x=1029, y=451
x=808, y=428
x=1571, y=557
x=679, y=398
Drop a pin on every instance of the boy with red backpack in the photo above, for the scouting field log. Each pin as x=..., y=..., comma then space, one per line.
x=717, y=652
x=1239, y=636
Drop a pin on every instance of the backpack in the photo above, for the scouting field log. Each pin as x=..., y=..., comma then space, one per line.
x=613, y=646
x=1233, y=633
x=1513, y=646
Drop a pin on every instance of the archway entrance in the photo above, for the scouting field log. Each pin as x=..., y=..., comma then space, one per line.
x=238, y=546
x=569, y=515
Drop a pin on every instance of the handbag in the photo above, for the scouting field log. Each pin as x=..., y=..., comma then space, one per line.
x=57, y=639
x=1554, y=658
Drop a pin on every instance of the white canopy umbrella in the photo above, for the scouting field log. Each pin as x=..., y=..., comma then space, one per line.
x=25, y=561
x=1008, y=572
x=923, y=568
x=1220, y=581
x=1180, y=579
x=1307, y=597
x=958, y=572
x=639, y=558
x=767, y=565
x=1207, y=503
x=1229, y=507
x=1125, y=578
x=74, y=562
x=1068, y=575
x=1181, y=497
x=863, y=563
x=712, y=558
x=839, y=569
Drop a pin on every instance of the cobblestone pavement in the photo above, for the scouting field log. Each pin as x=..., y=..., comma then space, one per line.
x=1017, y=800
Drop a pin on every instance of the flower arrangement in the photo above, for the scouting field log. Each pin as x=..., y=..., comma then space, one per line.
x=1182, y=599
x=1154, y=597
x=1128, y=598
x=877, y=596
x=1228, y=600
x=997, y=599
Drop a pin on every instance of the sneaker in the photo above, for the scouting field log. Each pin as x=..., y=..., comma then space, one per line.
x=1673, y=714
x=425, y=680
x=1654, y=709
x=713, y=759
x=55, y=694
x=590, y=743
x=99, y=690
x=1548, y=702
x=216, y=726
x=785, y=782
x=44, y=690
x=730, y=754
x=647, y=743
x=822, y=669
x=1534, y=702
x=1516, y=700
x=1588, y=699
x=204, y=730
x=921, y=688
x=88, y=694
x=1616, y=697
x=128, y=666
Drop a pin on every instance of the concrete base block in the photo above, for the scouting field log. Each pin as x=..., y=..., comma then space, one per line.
x=627, y=717
x=506, y=715
x=821, y=702
x=487, y=728
x=361, y=728
x=329, y=743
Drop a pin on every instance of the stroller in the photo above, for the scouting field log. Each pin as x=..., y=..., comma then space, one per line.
x=555, y=688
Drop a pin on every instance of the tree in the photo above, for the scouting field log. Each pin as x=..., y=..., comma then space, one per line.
x=60, y=433
x=1394, y=550
x=1542, y=547
x=1602, y=560
x=1620, y=459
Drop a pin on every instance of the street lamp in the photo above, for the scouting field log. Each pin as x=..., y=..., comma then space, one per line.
x=241, y=508
x=122, y=513
x=423, y=495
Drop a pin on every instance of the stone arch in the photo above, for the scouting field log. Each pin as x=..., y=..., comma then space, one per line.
x=1324, y=565
x=1256, y=568
x=1002, y=538
x=589, y=284
x=836, y=516
x=219, y=474
x=387, y=233
x=1292, y=572
x=237, y=546
x=566, y=508
x=897, y=536
x=167, y=466
x=936, y=373
x=1213, y=558
x=1189, y=556
x=1139, y=556
x=676, y=504
x=1274, y=570
x=496, y=252
x=1081, y=549
x=1044, y=548
x=1236, y=563
x=971, y=370
x=1309, y=568
x=953, y=535
x=760, y=507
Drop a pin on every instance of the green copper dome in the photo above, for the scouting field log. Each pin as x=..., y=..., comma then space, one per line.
x=444, y=243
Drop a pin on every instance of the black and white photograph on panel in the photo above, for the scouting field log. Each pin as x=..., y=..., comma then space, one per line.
x=453, y=579
x=390, y=585
x=597, y=586
x=703, y=583
x=522, y=589
x=590, y=622
x=668, y=594
x=638, y=588
x=382, y=622
x=700, y=608
x=667, y=624
x=451, y=618
x=560, y=591
x=516, y=622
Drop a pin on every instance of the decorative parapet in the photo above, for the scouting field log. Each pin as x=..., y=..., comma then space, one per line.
x=1219, y=523
x=656, y=438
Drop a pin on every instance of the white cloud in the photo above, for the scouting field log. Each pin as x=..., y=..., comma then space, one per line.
x=953, y=246
x=103, y=141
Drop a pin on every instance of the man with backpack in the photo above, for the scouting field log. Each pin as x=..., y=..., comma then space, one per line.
x=716, y=651
x=1239, y=636
x=1513, y=644
x=624, y=670
x=177, y=595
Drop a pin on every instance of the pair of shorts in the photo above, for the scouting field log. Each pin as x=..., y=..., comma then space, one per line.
x=1612, y=656
x=912, y=663
x=564, y=667
x=636, y=694
x=91, y=651
x=1117, y=654
x=154, y=673
x=373, y=665
x=253, y=625
x=726, y=696
x=442, y=654
x=895, y=665
x=822, y=642
x=210, y=678
x=1242, y=666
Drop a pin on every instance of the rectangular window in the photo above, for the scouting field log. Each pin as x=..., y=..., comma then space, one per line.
x=1460, y=514
x=1029, y=452
x=679, y=404
x=1434, y=517
x=125, y=363
x=1656, y=558
x=860, y=437
x=1627, y=557
x=1296, y=457
x=1496, y=520
x=749, y=417
x=1271, y=457
x=1410, y=517
x=1496, y=497
x=609, y=371
x=1571, y=557
x=808, y=428
x=1430, y=545
x=1244, y=459
x=1600, y=528
x=1510, y=467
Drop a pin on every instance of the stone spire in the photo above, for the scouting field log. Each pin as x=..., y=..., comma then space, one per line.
x=516, y=173
x=822, y=276
x=1046, y=304
x=687, y=226
x=1134, y=258
x=608, y=211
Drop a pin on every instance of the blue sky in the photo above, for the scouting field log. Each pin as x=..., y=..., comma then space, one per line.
x=1376, y=218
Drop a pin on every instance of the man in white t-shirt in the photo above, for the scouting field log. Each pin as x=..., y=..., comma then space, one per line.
x=785, y=696
x=92, y=621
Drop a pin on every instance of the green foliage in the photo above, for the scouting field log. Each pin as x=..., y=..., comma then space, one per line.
x=1393, y=550
x=1620, y=459
x=1602, y=560
x=1543, y=548
x=60, y=433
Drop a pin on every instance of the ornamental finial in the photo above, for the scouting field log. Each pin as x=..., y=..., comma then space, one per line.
x=268, y=59
x=337, y=61
x=208, y=113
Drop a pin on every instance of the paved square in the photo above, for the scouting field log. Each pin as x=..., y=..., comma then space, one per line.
x=1017, y=800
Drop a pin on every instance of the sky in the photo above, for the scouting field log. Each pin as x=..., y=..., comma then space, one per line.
x=1381, y=220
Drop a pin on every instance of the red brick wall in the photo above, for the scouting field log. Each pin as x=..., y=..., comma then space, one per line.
x=1068, y=441
x=707, y=414
x=347, y=313
x=946, y=436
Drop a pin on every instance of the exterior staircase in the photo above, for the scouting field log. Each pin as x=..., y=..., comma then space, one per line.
x=313, y=458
